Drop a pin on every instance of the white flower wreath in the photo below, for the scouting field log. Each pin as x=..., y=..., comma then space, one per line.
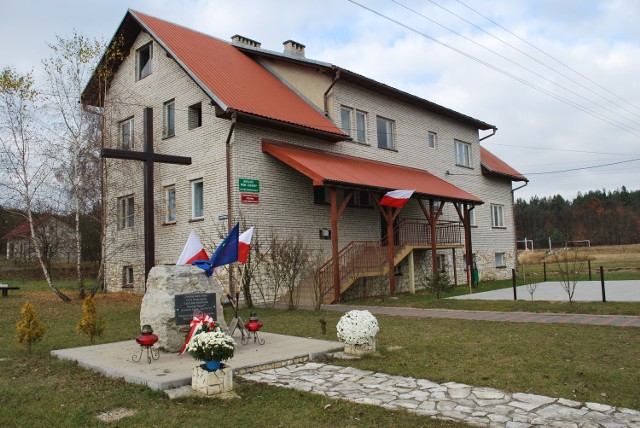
x=357, y=327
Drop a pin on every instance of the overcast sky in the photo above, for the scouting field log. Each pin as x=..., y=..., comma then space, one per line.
x=559, y=78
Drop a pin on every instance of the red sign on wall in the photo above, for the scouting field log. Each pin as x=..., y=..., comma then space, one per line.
x=250, y=198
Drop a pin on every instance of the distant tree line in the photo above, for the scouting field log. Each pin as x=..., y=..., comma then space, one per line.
x=603, y=217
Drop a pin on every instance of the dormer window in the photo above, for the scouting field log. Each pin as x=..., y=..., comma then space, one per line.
x=143, y=61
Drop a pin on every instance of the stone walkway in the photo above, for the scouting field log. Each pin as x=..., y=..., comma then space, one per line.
x=477, y=406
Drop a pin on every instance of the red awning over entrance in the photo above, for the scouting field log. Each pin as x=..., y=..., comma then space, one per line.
x=326, y=168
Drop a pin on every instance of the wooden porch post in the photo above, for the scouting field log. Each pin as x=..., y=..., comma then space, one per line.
x=455, y=271
x=336, y=213
x=434, y=239
x=390, y=249
x=464, y=216
x=412, y=274
x=334, y=244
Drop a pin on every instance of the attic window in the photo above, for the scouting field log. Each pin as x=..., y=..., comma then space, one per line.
x=143, y=61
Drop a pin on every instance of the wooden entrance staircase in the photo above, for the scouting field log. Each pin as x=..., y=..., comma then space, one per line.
x=360, y=259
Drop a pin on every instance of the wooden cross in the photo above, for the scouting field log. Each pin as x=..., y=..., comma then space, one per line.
x=149, y=158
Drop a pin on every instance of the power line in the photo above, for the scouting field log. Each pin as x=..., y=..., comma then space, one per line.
x=499, y=70
x=562, y=150
x=546, y=79
x=550, y=56
x=582, y=168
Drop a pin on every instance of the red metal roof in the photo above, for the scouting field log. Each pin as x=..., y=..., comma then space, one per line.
x=326, y=168
x=232, y=79
x=495, y=165
x=23, y=229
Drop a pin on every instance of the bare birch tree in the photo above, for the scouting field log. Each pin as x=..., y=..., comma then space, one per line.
x=67, y=71
x=26, y=168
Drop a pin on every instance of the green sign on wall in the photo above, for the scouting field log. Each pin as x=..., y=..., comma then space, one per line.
x=249, y=185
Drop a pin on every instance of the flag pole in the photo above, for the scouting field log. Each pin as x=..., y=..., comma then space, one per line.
x=237, y=322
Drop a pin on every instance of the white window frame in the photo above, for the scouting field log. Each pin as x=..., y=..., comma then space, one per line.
x=472, y=217
x=354, y=123
x=126, y=212
x=143, y=70
x=127, y=138
x=170, y=204
x=127, y=275
x=500, y=260
x=197, y=201
x=463, y=153
x=497, y=216
x=385, y=132
x=432, y=140
x=169, y=119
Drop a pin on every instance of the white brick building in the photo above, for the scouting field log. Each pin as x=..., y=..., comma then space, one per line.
x=293, y=126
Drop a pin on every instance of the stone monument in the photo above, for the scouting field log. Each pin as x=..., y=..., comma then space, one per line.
x=174, y=294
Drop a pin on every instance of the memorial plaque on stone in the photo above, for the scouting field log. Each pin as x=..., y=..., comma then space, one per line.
x=189, y=304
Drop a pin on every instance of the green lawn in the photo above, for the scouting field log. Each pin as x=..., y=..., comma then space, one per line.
x=586, y=363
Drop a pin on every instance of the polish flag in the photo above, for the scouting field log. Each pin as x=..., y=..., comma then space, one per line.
x=244, y=243
x=193, y=250
x=396, y=198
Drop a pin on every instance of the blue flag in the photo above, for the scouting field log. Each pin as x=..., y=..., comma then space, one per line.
x=227, y=252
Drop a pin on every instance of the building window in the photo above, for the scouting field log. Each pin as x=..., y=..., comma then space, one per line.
x=361, y=127
x=126, y=212
x=472, y=217
x=170, y=204
x=360, y=198
x=320, y=195
x=500, y=260
x=345, y=120
x=126, y=134
x=197, y=199
x=442, y=262
x=436, y=205
x=431, y=140
x=143, y=61
x=385, y=133
x=195, y=116
x=463, y=154
x=497, y=215
x=169, y=119
x=127, y=276
x=357, y=132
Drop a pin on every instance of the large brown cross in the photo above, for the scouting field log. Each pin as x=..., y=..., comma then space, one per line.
x=149, y=158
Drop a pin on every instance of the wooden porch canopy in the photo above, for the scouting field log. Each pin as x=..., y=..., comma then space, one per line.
x=336, y=170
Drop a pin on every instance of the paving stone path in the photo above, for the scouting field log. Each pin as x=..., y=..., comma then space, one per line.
x=477, y=406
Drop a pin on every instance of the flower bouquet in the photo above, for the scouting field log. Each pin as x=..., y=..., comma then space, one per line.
x=211, y=345
x=357, y=328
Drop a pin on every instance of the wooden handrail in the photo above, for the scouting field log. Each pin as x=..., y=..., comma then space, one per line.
x=358, y=258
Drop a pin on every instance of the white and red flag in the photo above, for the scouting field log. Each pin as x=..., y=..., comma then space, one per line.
x=244, y=243
x=396, y=198
x=193, y=250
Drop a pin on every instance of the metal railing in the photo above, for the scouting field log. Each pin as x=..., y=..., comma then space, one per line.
x=359, y=258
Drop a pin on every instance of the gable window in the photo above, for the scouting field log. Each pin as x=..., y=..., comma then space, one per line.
x=497, y=215
x=385, y=133
x=126, y=134
x=500, y=260
x=170, y=204
x=197, y=199
x=431, y=139
x=463, y=154
x=169, y=119
x=143, y=61
x=126, y=212
x=195, y=116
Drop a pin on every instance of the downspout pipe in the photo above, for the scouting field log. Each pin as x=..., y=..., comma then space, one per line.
x=326, y=93
x=234, y=118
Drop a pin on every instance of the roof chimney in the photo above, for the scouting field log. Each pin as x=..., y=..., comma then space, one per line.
x=241, y=40
x=293, y=48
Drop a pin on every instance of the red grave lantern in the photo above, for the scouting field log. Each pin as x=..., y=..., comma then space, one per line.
x=146, y=339
x=252, y=326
